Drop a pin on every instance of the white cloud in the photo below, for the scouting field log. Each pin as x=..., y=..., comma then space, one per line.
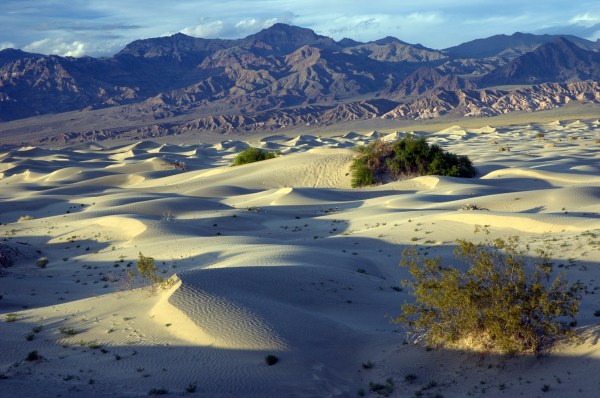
x=595, y=36
x=425, y=17
x=57, y=46
x=205, y=30
x=249, y=26
x=7, y=44
x=586, y=19
x=246, y=24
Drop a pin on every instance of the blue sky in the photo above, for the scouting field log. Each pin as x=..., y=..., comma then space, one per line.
x=103, y=27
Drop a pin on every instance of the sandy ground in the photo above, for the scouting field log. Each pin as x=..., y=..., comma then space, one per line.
x=280, y=257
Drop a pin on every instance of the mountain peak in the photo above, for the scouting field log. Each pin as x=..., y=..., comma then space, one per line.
x=11, y=55
x=346, y=42
x=511, y=46
x=389, y=40
x=288, y=38
x=559, y=60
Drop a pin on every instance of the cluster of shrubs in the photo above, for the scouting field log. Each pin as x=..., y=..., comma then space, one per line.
x=252, y=155
x=406, y=158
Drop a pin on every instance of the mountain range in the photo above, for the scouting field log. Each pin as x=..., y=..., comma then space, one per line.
x=287, y=75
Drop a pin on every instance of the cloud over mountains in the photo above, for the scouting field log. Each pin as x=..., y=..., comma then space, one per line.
x=102, y=28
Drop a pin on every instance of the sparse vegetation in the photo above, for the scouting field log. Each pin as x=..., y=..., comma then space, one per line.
x=42, y=262
x=545, y=388
x=174, y=165
x=68, y=332
x=11, y=317
x=192, y=387
x=147, y=268
x=158, y=391
x=405, y=158
x=25, y=218
x=469, y=206
x=384, y=389
x=94, y=345
x=504, y=302
x=368, y=365
x=251, y=155
x=271, y=359
x=32, y=356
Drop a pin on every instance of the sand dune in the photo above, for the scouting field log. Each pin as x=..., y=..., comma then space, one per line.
x=279, y=257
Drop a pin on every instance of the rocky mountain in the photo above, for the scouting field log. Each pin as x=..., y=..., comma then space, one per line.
x=557, y=61
x=425, y=80
x=390, y=49
x=34, y=85
x=286, y=75
x=511, y=46
x=483, y=103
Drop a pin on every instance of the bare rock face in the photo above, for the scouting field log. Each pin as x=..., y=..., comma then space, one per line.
x=391, y=49
x=480, y=103
x=426, y=80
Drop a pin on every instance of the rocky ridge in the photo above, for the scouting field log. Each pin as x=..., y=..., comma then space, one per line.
x=289, y=76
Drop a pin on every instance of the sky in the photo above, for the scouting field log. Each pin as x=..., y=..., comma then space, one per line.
x=103, y=27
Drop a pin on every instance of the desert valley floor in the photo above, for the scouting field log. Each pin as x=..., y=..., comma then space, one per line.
x=280, y=257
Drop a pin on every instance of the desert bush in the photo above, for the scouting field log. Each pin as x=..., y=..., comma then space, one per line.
x=25, y=218
x=505, y=301
x=32, y=356
x=271, y=359
x=381, y=388
x=68, y=331
x=362, y=175
x=7, y=255
x=407, y=157
x=192, y=387
x=158, y=391
x=146, y=266
x=148, y=270
x=11, y=317
x=42, y=262
x=174, y=165
x=251, y=155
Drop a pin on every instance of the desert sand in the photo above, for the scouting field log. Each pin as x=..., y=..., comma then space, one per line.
x=280, y=257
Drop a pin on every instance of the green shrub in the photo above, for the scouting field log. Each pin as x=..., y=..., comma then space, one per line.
x=11, y=317
x=146, y=266
x=148, y=270
x=252, y=155
x=362, y=175
x=407, y=157
x=503, y=302
x=68, y=332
